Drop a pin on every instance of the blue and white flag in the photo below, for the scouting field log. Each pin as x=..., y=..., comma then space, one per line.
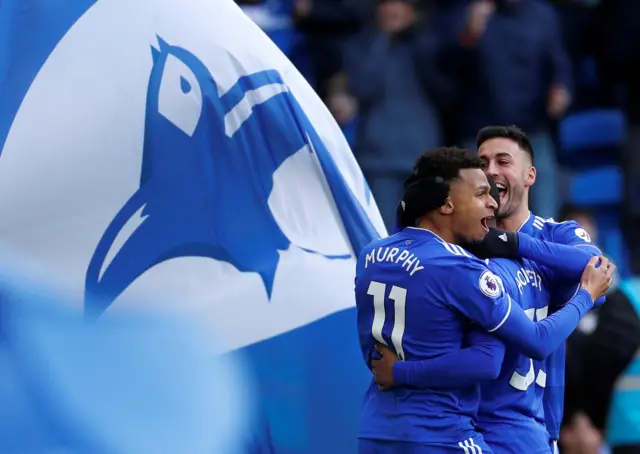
x=165, y=155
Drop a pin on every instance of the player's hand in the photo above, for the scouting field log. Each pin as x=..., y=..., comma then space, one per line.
x=597, y=277
x=496, y=243
x=383, y=368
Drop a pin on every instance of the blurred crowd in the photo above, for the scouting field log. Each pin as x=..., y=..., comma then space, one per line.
x=401, y=76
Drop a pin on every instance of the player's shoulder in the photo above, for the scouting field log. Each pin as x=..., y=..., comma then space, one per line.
x=455, y=259
x=463, y=270
x=376, y=243
x=542, y=225
x=560, y=232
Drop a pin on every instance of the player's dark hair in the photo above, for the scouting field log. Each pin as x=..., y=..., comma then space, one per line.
x=428, y=186
x=513, y=133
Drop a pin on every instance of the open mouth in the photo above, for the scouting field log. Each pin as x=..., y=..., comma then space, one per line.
x=485, y=222
x=502, y=190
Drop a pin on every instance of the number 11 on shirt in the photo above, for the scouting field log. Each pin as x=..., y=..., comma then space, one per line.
x=398, y=295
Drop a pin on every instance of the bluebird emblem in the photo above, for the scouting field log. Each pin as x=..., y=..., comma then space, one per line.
x=207, y=172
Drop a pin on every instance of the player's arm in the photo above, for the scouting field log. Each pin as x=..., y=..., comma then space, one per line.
x=570, y=233
x=474, y=291
x=564, y=261
x=482, y=360
x=564, y=257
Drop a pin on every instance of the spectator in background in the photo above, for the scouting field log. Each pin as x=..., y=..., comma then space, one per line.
x=610, y=388
x=343, y=106
x=602, y=397
x=620, y=36
x=513, y=69
x=578, y=19
x=393, y=72
x=327, y=25
x=579, y=435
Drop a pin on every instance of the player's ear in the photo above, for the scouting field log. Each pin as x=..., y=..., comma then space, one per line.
x=530, y=177
x=448, y=207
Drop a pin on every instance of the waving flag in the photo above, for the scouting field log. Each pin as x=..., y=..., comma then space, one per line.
x=165, y=155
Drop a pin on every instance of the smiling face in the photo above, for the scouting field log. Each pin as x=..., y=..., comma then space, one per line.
x=473, y=206
x=511, y=169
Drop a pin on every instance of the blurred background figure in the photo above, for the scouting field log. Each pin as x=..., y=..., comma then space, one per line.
x=580, y=437
x=603, y=377
x=393, y=72
x=327, y=25
x=513, y=69
x=343, y=106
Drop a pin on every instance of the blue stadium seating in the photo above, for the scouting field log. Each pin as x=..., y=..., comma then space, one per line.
x=590, y=142
x=591, y=137
x=596, y=187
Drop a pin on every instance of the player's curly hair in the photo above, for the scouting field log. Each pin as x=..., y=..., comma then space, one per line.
x=427, y=188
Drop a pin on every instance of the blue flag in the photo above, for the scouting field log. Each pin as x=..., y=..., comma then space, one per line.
x=165, y=156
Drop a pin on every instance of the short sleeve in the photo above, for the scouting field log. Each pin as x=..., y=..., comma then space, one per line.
x=475, y=291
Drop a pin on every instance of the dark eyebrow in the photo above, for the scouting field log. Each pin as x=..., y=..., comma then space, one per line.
x=504, y=154
x=484, y=187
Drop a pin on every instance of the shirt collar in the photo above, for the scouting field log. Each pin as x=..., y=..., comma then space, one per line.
x=527, y=225
x=422, y=232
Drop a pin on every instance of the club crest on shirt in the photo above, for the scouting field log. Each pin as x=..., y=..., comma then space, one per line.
x=583, y=235
x=489, y=284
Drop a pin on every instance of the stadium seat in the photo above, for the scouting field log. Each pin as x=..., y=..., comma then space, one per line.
x=596, y=187
x=593, y=129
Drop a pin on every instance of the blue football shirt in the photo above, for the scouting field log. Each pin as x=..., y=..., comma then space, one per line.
x=572, y=234
x=512, y=404
x=418, y=294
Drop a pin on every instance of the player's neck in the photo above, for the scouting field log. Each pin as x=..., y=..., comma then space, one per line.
x=515, y=220
x=439, y=228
